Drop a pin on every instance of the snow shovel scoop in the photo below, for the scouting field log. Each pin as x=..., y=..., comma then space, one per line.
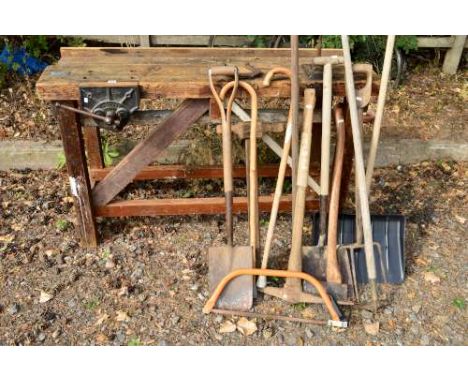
x=222, y=260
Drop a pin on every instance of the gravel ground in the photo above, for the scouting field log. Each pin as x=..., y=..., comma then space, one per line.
x=147, y=283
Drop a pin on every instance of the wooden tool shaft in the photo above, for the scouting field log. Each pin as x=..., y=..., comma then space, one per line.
x=294, y=111
x=380, y=110
x=295, y=257
x=227, y=147
x=276, y=201
x=325, y=150
x=333, y=273
x=261, y=281
x=253, y=179
x=360, y=171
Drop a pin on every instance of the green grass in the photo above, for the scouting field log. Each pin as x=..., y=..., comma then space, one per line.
x=105, y=254
x=92, y=304
x=135, y=341
x=459, y=303
x=62, y=224
x=300, y=306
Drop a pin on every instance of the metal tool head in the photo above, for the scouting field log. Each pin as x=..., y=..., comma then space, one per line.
x=314, y=263
x=238, y=295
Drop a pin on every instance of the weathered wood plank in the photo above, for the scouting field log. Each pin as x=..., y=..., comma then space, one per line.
x=154, y=40
x=146, y=151
x=453, y=55
x=437, y=42
x=158, y=55
x=73, y=146
x=184, y=172
x=193, y=206
x=92, y=137
x=171, y=72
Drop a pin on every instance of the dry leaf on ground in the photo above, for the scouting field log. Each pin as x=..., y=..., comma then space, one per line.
x=122, y=316
x=431, y=277
x=372, y=328
x=227, y=327
x=246, y=327
x=44, y=297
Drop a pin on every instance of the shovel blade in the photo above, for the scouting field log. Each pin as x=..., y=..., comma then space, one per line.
x=314, y=263
x=238, y=294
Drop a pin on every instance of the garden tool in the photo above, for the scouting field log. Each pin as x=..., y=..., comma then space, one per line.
x=380, y=110
x=337, y=319
x=222, y=260
x=327, y=63
x=335, y=270
x=295, y=90
x=292, y=289
x=252, y=185
x=261, y=281
x=360, y=171
x=387, y=230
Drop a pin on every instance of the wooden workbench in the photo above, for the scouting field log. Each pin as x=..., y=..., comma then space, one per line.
x=173, y=73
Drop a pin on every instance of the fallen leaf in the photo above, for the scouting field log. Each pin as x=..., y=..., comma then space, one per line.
x=246, y=327
x=101, y=319
x=101, y=338
x=44, y=297
x=227, y=327
x=7, y=238
x=431, y=277
x=460, y=219
x=308, y=313
x=122, y=316
x=17, y=227
x=372, y=328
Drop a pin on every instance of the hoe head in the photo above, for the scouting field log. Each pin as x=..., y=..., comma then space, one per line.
x=238, y=294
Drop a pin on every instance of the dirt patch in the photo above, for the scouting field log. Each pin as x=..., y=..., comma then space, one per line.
x=146, y=284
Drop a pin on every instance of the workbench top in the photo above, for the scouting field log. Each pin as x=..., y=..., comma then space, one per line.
x=178, y=73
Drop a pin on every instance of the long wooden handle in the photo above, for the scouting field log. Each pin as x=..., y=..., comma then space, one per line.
x=360, y=171
x=261, y=282
x=325, y=150
x=295, y=89
x=295, y=257
x=332, y=269
x=253, y=179
x=227, y=147
x=380, y=110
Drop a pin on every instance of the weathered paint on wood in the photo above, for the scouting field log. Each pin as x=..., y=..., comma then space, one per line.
x=78, y=175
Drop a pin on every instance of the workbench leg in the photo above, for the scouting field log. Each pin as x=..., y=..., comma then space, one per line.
x=453, y=55
x=73, y=146
x=92, y=137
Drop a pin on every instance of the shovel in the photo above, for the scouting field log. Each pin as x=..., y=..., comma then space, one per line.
x=238, y=295
x=329, y=263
